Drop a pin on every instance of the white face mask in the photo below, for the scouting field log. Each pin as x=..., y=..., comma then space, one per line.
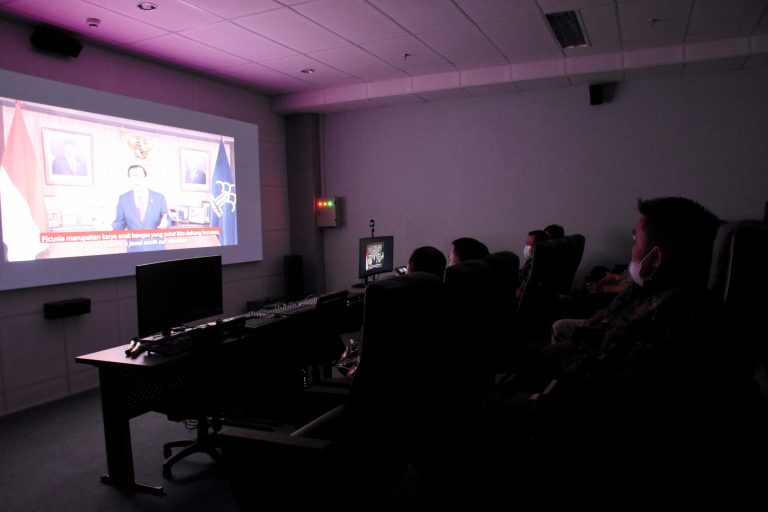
x=527, y=251
x=635, y=267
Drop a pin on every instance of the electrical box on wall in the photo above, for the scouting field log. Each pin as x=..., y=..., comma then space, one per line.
x=327, y=212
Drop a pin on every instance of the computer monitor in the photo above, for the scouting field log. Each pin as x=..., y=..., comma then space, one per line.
x=172, y=293
x=376, y=256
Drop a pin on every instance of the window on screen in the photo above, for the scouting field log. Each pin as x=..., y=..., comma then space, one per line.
x=77, y=183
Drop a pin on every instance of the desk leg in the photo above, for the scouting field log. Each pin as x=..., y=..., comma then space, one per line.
x=117, y=434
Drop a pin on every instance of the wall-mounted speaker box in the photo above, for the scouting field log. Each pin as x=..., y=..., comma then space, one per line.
x=65, y=308
x=56, y=42
x=595, y=94
x=293, y=270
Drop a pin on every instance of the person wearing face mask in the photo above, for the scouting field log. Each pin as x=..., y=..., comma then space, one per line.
x=646, y=381
x=531, y=240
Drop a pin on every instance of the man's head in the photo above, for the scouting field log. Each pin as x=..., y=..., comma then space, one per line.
x=427, y=259
x=554, y=231
x=138, y=176
x=673, y=238
x=465, y=249
x=531, y=240
x=70, y=149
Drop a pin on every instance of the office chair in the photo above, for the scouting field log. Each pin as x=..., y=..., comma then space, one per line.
x=351, y=454
x=324, y=340
x=201, y=398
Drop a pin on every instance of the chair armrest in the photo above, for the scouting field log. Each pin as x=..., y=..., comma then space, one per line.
x=232, y=437
x=321, y=427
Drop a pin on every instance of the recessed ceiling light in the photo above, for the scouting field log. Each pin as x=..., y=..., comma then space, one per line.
x=307, y=71
x=146, y=6
x=93, y=22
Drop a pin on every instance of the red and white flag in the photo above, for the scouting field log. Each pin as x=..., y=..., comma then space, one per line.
x=21, y=194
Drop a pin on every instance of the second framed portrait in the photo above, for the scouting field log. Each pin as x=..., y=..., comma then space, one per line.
x=68, y=157
x=195, y=169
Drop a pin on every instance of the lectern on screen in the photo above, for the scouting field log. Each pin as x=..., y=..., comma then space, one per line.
x=171, y=293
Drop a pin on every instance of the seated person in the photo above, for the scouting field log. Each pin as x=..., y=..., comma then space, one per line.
x=648, y=377
x=531, y=240
x=554, y=231
x=427, y=259
x=607, y=286
x=422, y=259
x=465, y=249
x=611, y=283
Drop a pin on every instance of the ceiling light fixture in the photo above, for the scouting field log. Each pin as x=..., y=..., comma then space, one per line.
x=93, y=22
x=146, y=6
x=307, y=71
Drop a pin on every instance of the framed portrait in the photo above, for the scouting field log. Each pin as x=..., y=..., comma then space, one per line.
x=195, y=168
x=68, y=157
x=196, y=215
x=207, y=212
x=54, y=218
x=182, y=214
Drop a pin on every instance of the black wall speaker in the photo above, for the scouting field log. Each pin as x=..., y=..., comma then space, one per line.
x=595, y=94
x=56, y=42
x=293, y=270
x=64, y=308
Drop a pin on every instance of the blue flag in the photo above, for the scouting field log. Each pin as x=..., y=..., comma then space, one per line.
x=224, y=199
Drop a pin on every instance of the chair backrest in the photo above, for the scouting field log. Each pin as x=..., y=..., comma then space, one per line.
x=473, y=319
x=553, y=268
x=505, y=267
x=388, y=402
x=505, y=272
x=738, y=274
x=739, y=278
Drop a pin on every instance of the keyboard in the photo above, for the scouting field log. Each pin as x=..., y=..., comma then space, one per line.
x=255, y=322
x=292, y=308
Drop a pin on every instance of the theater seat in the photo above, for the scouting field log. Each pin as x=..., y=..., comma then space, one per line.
x=553, y=269
x=739, y=278
x=351, y=455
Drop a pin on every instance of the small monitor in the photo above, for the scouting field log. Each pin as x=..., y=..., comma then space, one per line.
x=171, y=293
x=376, y=255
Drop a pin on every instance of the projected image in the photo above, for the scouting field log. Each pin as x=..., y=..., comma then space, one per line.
x=75, y=183
x=374, y=256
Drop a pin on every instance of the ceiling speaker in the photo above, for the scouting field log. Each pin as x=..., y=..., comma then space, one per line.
x=56, y=42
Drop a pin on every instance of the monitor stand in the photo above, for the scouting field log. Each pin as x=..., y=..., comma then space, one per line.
x=361, y=284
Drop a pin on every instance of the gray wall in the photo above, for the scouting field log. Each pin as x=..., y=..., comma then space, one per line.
x=496, y=167
x=36, y=355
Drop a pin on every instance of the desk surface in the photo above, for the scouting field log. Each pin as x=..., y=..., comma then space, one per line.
x=116, y=356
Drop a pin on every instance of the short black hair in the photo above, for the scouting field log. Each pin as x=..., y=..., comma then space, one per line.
x=683, y=227
x=427, y=259
x=555, y=231
x=538, y=236
x=136, y=166
x=469, y=249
